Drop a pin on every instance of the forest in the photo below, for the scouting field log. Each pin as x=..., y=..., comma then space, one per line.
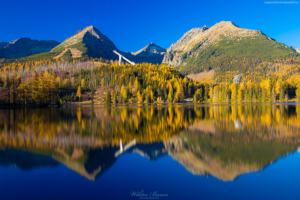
x=55, y=82
x=100, y=81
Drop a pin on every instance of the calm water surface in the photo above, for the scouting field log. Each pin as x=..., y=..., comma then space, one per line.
x=179, y=152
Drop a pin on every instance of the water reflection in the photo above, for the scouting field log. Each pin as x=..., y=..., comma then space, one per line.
x=222, y=141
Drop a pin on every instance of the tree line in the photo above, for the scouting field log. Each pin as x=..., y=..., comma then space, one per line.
x=54, y=82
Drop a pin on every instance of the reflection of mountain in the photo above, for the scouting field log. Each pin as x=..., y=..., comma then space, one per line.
x=200, y=163
x=90, y=164
x=25, y=160
x=225, y=155
x=152, y=151
x=94, y=162
x=200, y=153
x=222, y=141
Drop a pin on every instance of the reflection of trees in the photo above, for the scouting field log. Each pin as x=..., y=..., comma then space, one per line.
x=88, y=126
x=224, y=141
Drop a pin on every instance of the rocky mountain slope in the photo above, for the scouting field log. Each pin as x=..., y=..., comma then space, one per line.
x=25, y=47
x=91, y=42
x=188, y=36
x=298, y=50
x=219, y=46
x=151, y=53
x=172, y=56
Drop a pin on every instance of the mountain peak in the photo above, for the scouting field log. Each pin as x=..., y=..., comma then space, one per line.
x=216, y=48
x=150, y=48
x=228, y=23
x=85, y=29
x=207, y=36
x=91, y=42
x=179, y=44
x=151, y=53
x=14, y=41
x=90, y=27
x=201, y=38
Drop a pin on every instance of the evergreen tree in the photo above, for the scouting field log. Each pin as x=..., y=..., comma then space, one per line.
x=139, y=97
x=281, y=94
x=108, y=97
x=206, y=91
x=92, y=95
x=114, y=96
x=298, y=91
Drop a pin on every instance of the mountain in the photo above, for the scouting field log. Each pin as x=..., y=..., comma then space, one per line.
x=187, y=37
x=3, y=44
x=151, y=53
x=224, y=47
x=87, y=42
x=25, y=47
x=298, y=50
x=171, y=57
x=90, y=42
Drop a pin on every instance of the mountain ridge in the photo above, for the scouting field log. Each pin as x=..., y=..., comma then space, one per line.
x=151, y=53
x=91, y=42
x=220, y=45
x=192, y=53
x=23, y=47
x=3, y=44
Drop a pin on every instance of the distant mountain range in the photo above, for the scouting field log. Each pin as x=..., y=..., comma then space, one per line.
x=87, y=42
x=92, y=43
x=25, y=47
x=223, y=45
x=151, y=53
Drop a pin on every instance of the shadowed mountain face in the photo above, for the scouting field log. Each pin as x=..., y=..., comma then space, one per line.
x=150, y=54
x=97, y=161
x=25, y=47
x=221, y=141
x=89, y=163
x=3, y=44
x=90, y=42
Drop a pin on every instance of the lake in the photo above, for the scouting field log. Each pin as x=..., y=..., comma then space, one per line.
x=192, y=151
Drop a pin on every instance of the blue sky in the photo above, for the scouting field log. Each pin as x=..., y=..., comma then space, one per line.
x=132, y=24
